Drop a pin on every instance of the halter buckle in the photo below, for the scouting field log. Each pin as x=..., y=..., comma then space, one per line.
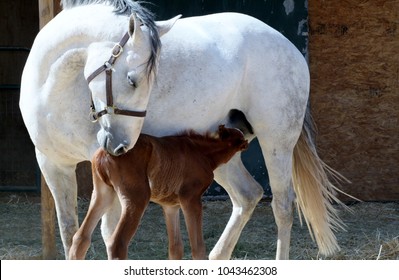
x=108, y=66
x=117, y=50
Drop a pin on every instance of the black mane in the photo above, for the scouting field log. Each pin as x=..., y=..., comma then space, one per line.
x=126, y=8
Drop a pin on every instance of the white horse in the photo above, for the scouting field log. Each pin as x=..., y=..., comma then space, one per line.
x=219, y=69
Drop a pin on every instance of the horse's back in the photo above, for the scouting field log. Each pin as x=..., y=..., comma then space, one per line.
x=225, y=38
x=214, y=63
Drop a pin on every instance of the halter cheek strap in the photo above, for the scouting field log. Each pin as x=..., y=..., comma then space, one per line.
x=107, y=68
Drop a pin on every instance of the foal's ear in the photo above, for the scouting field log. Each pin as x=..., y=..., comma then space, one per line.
x=166, y=25
x=223, y=132
x=244, y=145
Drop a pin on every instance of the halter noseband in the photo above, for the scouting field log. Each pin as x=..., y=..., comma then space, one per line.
x=107, y=67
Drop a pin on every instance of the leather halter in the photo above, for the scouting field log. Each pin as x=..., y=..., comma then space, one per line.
x=107, y=68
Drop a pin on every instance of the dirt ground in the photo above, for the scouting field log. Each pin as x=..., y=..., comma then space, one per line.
x=372, y=232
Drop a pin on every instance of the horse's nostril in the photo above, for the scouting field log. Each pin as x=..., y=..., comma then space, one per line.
x=120, y=150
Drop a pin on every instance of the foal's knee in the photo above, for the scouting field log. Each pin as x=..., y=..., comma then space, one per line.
x=80, y=244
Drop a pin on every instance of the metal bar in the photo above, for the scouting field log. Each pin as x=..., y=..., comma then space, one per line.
x=18, y=189
x=10, y=86
x=14, y=48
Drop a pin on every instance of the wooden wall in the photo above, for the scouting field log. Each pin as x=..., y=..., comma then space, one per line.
x=354, y=63
x=18, y=27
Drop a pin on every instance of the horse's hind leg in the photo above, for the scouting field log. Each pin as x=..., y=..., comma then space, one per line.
x=61, y=180
x=245, y=194
x=279, y=169
x=175, y=243
x=277, y=152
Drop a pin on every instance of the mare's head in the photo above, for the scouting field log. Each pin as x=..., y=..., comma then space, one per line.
x=121, y=86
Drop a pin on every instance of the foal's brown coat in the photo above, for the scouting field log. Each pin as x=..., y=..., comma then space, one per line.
x=172, y=171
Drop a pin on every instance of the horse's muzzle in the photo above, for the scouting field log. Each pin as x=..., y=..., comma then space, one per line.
x=120, y=150
x=111, y=145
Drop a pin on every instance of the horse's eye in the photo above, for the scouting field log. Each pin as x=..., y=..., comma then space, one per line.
x=131, y=81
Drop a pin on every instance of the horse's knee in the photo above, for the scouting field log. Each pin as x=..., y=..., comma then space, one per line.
x=253, y=195
x=242, y=188
x=283, y=206
x=80, y=244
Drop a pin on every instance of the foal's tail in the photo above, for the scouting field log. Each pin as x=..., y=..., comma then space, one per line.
x=315, y=194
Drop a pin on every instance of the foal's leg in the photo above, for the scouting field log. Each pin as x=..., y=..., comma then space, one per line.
x=175, y=243
x=192, y=210
x=245, y=194
x=134, y=201
x=110, y=220
x=101, y=199
x=61, y=180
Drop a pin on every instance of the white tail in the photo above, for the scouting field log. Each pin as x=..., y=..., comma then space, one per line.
x=315, y=194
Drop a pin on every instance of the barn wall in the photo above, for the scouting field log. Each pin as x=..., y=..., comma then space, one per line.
x=19, y=26
x=354, y=63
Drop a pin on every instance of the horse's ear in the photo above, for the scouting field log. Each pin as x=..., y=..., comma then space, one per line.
x=223, y=132
x=244, y=145
x=166, y=25
x=134, y=28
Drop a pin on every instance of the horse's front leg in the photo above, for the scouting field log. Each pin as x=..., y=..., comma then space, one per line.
x=134, y=198
x=245, y=194
x=192, y=210
x=61, y=180
x=110, y=220
x=172, y=220
x=101, y=199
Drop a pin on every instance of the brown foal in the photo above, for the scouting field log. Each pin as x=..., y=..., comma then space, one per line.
x=173, y=171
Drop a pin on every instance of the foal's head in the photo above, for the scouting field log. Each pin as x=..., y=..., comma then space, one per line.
x=228, y=141
x=233, y=137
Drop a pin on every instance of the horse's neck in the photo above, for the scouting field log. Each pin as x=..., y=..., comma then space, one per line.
x=50, y=44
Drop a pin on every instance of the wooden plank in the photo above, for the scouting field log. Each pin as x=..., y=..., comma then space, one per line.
x=47, y=10
x=49, y=249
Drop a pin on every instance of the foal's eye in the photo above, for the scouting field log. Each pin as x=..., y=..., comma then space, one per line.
x=132, y=81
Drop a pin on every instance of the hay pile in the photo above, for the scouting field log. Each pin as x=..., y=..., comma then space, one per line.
x=372, y=232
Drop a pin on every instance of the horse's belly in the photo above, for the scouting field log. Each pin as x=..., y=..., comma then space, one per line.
x=170, y=199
